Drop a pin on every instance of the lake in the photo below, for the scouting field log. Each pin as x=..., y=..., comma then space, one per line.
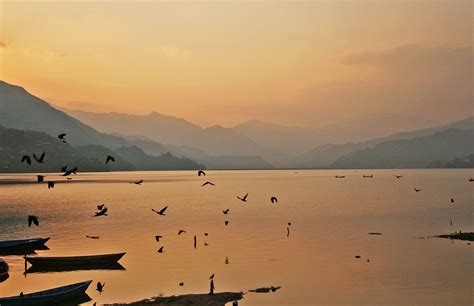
x=330, y=221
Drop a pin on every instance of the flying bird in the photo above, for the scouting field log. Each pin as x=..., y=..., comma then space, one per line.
x=158, y=237
x=62, y=137
x=200, y=172
x=244, y=199
x=226, y=211
x=274, y=199
x=208, y=183
x=398, y=176
x=33, y=220
x=161, y=212
x=417, y=190
x=100, y=206
x=39, y=159
x=100, y=287
x=161, y=250
x=71, y=171
x=40, y=178
x=109, y=158
x=50, y=185
x=181, y=232
x=102, y=212
x=26, y=158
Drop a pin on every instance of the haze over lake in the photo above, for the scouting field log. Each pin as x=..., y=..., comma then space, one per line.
x=316, y=264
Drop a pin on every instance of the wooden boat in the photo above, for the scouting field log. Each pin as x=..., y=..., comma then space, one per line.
x=11, y=245
x=56, y=296
x=75, y=260
x=3, y=270
x=52, y=269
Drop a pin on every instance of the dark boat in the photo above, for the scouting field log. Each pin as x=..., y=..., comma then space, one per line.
x=56, y=296
x=52, y=269
x=3, y=271
x=75, y=260
x=25, y=244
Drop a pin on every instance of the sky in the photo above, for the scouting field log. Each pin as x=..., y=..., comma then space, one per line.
x=304, y=63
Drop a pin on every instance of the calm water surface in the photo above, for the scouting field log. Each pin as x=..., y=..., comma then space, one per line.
x=330, y=217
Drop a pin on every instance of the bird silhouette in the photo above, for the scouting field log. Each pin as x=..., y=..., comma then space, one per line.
x=158, y=237
x=33, y=220
x=208, y=183
x=161, y=250
x=181, y=232
x=244, y=198
x=26, y=158
x=102, y=212
x=50, y=185
x=162, y=211
x=226, y=211
x=62, y=137
x=181, y=284
x=212, y=276
x=398, y=176
x=70, y=171
x=452, y=200
x=137, y=182
x=100, y=206
x=226, y=222
x=92, y=237
x=39, y=159
x=417, y=190
x=109, y=158
x=206, y=234
x=274, y=199
x=200, y=172
x=100, y=287
x=40, y=178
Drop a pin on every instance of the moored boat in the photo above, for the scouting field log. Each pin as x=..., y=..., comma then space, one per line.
x=75, y=260
x=13, y=245
x=56, y=296
x=3, y=270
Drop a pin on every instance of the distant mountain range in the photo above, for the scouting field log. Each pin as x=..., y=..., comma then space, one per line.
x=250, y=145
x=16, y=143
x=417, y=152
x=30, y=125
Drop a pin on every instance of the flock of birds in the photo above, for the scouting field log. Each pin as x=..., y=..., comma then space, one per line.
x=102, y=209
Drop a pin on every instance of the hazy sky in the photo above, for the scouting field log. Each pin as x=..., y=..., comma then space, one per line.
x=304, y=63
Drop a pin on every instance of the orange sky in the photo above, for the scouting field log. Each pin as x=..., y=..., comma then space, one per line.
x=306, y=63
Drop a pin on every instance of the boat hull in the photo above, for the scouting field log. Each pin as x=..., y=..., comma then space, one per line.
x=75, y=260
x=56, y=296
x=25, y=244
